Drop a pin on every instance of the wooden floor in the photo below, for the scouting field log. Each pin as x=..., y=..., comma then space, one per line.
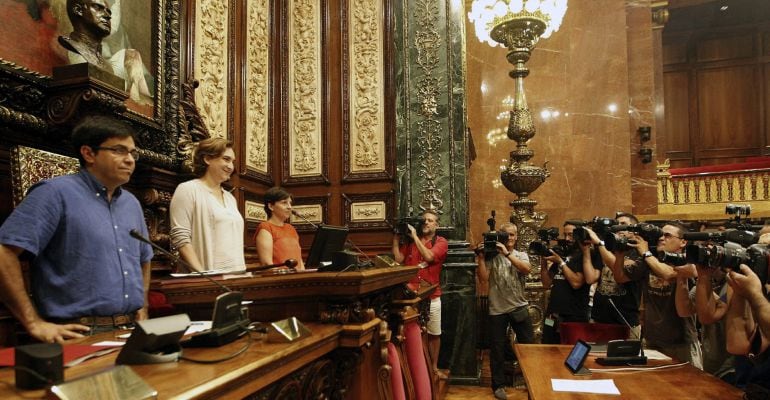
x=458, y=392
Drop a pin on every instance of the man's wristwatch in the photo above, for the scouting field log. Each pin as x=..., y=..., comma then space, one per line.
x=647, y=254
x=601, y=243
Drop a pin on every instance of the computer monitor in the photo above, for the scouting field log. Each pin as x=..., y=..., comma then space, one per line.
x=328, y=240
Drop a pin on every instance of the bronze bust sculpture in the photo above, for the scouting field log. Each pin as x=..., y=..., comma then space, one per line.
x=91, y=22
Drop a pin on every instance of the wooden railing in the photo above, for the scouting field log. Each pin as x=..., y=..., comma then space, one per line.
x=705, y=194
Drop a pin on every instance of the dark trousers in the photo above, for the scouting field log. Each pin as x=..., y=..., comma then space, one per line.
x=500, y=345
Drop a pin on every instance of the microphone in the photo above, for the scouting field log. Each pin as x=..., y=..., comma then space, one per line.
x=302, y=217
x=228, y=321
x=623, y=352
x=290, y=263
x=138, y=236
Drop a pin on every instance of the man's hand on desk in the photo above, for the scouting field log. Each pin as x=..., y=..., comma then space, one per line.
x=48, y=332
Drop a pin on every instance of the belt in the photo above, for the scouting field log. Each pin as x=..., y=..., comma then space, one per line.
x=114, y=320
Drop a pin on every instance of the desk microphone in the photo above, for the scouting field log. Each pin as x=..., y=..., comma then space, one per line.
x=228, y=321
x=623, y=352
x=302, y=217
x=290, y=263
x=138, y=236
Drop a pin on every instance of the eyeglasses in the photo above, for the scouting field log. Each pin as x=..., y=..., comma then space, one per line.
x=120, y=151
x=669, y=236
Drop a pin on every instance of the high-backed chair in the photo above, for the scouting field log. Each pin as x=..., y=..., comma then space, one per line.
x=570, y=332
x=30, y=166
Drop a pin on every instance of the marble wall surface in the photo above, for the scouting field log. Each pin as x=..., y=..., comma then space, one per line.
x=585, y=109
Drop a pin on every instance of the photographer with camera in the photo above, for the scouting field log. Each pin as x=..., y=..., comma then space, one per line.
x=428, y=250
x=618, y=282
x=713, y=297
x=665, y=329
x=568, y=301
x=505, y=274
x=747, y=326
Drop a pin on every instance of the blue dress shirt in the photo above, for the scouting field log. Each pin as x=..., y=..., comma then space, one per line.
x=85, y=262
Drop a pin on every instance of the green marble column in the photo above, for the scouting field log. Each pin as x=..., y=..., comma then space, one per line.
x=431, y=158
x=431, y=142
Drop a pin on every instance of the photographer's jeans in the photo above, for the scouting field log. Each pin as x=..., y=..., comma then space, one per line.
x=500, y=345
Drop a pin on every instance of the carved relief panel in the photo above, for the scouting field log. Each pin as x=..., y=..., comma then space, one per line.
x=211, y=64
x=304, y=145
x=257, y=96
x=365, y=142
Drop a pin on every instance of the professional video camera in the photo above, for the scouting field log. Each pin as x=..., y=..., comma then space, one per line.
x=542, y=246
x=744, y=238
x=600, y=225
x=492, y=237
x=649, y=232
x=730, y=256
x=417, y=221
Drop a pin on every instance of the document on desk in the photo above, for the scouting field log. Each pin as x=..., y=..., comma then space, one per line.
x=600, y=386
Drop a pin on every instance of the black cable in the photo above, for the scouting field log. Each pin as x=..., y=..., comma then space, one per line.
x=34, y=373
x=225, y=358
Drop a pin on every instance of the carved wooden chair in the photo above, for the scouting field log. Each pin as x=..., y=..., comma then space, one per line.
x=29, y=166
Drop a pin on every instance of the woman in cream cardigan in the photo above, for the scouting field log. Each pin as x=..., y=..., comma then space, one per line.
x=206, y=226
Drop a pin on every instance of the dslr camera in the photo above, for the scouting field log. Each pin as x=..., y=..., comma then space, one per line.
x=730, y=256
x=649, y=232
x=402, y=230
x=542, y=247
x=492, y=237
x=600, y=225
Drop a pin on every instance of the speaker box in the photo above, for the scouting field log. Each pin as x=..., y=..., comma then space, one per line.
x=47, y=362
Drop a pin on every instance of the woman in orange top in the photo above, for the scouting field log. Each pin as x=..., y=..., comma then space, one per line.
x=278, y=241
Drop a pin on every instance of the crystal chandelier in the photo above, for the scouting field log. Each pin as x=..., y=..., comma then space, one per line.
x=518, y=25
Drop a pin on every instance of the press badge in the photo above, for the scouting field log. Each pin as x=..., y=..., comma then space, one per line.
x=548, y=322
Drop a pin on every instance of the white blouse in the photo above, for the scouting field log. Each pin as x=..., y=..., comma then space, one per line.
x=215, y=231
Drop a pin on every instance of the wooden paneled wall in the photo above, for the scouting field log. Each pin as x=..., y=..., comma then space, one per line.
x=305, y=91
x=716, y=90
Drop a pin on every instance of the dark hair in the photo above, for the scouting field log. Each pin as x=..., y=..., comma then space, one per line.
x=93, y=131
x=211, y=147
x=630, y=216
x=273, y=195
x=679, y=225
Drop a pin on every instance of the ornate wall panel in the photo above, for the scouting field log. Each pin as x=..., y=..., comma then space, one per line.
x=211, y=63
x=312, y=208
x=257, y=86
x=305, y=105
x=368, y=211
x=365, y=54
x=255, y=211
x=313, y=213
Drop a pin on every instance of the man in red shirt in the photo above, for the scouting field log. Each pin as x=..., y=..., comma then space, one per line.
x=427, y=250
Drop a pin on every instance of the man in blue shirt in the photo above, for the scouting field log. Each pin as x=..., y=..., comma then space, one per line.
x=86, y=272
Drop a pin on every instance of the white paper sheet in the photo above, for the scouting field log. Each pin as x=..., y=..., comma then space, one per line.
x=600, y=386
x=655, y=355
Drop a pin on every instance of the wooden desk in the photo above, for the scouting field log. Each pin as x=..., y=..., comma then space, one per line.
x=305, y=295
x=264, y=368
x=539, y=363
x=357, y=300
